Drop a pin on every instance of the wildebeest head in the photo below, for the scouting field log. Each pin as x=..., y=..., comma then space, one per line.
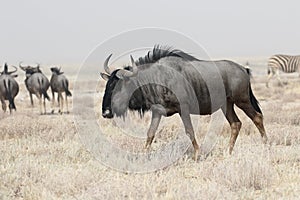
x=116, y=97
x=5, y=71
x=30, y=70
x=56, y=70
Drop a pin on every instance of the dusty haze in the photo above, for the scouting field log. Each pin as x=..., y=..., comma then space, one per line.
x=65, y=32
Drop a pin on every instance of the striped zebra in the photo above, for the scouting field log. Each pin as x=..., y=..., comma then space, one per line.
x=284, y=63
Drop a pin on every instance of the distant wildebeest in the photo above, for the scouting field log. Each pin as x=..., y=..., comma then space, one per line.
x=284, y=63
x=36, y=83
x=163, y=72
x=59, y=83
x=9, y=88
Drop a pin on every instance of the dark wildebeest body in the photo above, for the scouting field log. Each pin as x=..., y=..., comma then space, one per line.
x=59, y=83
x=9, y=88
x=36, y=83
x=170, y=81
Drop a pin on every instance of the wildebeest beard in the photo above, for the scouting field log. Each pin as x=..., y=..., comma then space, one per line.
x=143, y=98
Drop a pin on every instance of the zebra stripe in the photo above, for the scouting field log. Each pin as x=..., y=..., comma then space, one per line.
x=285, y=63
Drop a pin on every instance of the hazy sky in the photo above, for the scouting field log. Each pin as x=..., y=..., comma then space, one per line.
x=66, y=31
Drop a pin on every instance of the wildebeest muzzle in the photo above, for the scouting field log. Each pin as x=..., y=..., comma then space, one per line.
x=107, y=113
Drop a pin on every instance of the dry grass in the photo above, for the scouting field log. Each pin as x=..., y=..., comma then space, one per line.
x=42, y=157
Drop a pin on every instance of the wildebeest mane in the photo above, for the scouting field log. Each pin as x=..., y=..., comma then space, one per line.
x=159, y=52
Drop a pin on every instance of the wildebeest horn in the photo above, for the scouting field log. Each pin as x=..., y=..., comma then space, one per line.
x=23, y=68
x=106, y=68
x=122, y=73
x=13, y=71
x=37, y=65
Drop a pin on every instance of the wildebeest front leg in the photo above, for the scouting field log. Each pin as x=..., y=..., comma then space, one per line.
x=186, y=119
x=31, y=100
x=156, y=117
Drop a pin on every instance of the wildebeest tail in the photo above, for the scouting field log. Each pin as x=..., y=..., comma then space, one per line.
x=253, y=100
x=8, y=94
x=42, y=89
x=66, y=88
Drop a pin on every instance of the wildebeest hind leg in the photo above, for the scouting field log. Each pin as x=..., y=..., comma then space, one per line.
x=60, y=102
x=44, y=102
x=156, y=117
x=256, y=117
x=3, y=105
x=235, y=125
x=67, y=106
x=186, y=119
x=53, y=102
x=40, y=103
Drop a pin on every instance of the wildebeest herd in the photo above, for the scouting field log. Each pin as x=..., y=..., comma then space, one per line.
x=37, y=84
x=166, y=81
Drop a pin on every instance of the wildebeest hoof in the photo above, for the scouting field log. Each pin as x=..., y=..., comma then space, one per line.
x=195, y=157
x=265, y=140
x=52, y=111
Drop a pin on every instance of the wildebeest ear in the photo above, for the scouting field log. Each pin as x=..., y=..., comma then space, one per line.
x=5, y=68
x=104, y=76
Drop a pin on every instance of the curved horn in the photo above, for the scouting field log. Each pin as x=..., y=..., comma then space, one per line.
x=106, y=68
x=122, y=73
x=23, y=68
x=37, y=65
x=13, y=71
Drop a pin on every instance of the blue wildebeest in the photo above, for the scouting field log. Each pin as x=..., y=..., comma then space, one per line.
x=9, y=88
x=168, y=81
x=36, y=83
x=59, y=83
